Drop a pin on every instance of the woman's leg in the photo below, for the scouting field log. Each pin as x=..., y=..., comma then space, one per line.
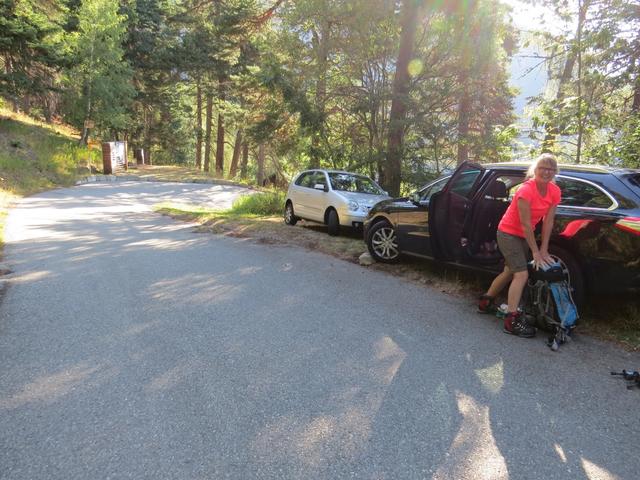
x=498, y=284
x=515, y=290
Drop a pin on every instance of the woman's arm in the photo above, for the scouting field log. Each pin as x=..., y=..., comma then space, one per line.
x=547, y=227
x=524, y=210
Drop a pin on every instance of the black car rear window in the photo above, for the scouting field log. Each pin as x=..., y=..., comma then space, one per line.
x=633, y=179
x=578, y=193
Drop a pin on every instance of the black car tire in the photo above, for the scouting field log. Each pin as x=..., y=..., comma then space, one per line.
x=333, y=223
x=382, y=243
x=576, y=277
x=289, y=217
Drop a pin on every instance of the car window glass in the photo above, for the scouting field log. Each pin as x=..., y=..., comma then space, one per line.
x=319, y=178
x=463, y=184
x=576, y=193
x=305, y=179
x=426, y=193
x=504, y=187
x=633, y=179
x=348, y=182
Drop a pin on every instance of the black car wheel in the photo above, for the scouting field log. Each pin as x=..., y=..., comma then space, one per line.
x=383, y=243
x=571, y=265
x=289, y=217
x=333, y=223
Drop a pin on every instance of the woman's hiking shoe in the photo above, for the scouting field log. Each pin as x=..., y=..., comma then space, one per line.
x=515, y=324
x=486, y=305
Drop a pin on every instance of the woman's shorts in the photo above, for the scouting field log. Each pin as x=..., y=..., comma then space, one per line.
x=514, y=250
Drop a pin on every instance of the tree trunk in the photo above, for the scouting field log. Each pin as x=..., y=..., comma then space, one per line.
x=198, y=126
x=260, y=172
x=392, y=168
x=8, y=67
x=635, y=107
x=245, y=160
x=552, y=129
x=465, y=104
x=147, y=134
x=220, y=137
x=207, y=133
x=84, y=138
x=321, y=44
x=48, y=100
x=233, y=169
x=26, y=104
x=464, y=113
x=581, y=20
x=220, y=146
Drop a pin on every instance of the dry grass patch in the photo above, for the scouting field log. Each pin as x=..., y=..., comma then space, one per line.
x=614, y=318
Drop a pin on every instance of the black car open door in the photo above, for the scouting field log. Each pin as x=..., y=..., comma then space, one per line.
x=448, y=211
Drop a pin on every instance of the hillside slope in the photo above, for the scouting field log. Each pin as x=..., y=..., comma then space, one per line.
x=35, y=156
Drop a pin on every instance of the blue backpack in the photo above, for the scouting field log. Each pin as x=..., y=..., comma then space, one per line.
x=550, y=302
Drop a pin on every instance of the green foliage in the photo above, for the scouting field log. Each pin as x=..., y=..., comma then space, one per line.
x=629, y=152
x=99, y=82
x=262, y=204
x=311, y=81
x=594, y=99
x=30, y=46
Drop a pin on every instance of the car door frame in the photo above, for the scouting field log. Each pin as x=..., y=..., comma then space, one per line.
x=300, y=196
x=412, y=224
x=449, y=212
x=317, y=199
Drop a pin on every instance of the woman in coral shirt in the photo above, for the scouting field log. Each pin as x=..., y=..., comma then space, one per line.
x=535, y=200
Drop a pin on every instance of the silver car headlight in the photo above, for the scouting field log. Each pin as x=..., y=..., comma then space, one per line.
x=353, y=206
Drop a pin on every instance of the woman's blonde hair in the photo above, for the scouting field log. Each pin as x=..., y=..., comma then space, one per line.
x=547, y=159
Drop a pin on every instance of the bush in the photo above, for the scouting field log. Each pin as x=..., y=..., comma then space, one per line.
x=264, y=204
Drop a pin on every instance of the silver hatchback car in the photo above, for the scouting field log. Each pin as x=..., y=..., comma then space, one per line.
x=332, y=197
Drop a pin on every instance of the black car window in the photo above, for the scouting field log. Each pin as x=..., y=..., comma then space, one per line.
x=426, y=193
x=504, y=187
x=463, y=184
x=633, y=179
x=578, y=193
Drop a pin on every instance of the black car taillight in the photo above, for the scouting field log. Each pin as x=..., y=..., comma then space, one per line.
x=629, y=224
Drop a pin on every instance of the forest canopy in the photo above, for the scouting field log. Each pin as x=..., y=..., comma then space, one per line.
x=398, y=90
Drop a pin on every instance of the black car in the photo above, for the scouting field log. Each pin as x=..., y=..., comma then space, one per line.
x=454, y=219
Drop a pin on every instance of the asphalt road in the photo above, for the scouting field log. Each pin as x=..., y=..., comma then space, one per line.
x=133, y=347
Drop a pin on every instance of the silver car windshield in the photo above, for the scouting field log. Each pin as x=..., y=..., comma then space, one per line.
x=354, y=183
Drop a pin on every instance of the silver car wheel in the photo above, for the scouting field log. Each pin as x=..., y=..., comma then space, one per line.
x=384, y=243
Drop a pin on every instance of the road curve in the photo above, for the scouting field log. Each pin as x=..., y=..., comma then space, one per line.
x=133, y=347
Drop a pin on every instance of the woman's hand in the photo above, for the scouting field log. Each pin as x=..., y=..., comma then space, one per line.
x=547, y=258
x=542, y=259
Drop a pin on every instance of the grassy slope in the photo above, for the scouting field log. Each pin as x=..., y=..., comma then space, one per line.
x=35, y=156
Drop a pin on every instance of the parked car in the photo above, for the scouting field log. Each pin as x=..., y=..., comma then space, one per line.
x=454, y=219
x=332, y=197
